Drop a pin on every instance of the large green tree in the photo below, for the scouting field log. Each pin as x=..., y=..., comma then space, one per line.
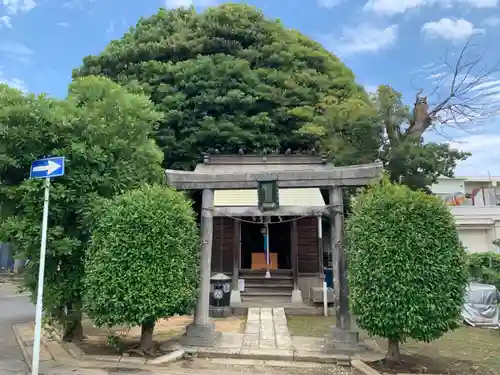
x=407, y=266
x=105, y=133
x=229, y=78
x=142, y=264
x=407, y=158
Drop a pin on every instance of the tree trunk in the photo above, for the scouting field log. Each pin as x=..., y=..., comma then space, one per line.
x=74, y=331
x=73, y=325
x=393, y=354
x=147, y=336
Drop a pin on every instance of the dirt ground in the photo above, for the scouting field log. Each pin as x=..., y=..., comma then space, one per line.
x=96, y=339
x=249, y=367
x=465, y=351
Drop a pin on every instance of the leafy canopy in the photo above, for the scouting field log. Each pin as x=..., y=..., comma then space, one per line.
x=228, y=78
x=407, y=267
x=105, y=134
x=142, y=263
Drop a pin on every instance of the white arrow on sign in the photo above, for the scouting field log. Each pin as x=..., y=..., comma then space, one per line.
x=51, y=167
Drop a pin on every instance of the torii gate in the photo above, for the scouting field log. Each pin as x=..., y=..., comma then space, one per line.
x=201, y=332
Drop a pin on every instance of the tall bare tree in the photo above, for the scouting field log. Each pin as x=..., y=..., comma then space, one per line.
x=462, y=92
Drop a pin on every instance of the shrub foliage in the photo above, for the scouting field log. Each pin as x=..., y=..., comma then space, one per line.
x=142, y=264
x=407, y=266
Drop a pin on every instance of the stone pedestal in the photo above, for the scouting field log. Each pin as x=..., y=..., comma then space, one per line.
x=344, y=340
x=297, y=296
x=235, y=297
x=200, y=335
x=219, y=311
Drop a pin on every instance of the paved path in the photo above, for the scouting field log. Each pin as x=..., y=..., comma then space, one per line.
x=267, y=329
x=13, y=309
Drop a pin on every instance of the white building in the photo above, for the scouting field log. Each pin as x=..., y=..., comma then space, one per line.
x=475, y=203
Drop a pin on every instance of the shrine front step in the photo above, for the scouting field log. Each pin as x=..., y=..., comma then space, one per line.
x=275, y=279
x=278, y=287
x=276, y=298
x=262, y=272
x=268, y=288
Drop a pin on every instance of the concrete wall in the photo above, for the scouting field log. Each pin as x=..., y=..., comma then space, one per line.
x=449, y=186
x=478, y=226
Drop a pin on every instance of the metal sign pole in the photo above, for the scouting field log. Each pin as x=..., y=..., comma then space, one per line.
x=41, y=271
x=43, y=168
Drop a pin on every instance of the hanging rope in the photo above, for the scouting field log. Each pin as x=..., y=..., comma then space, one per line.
x=296, y=218
x=221, y=243
x=260, y=222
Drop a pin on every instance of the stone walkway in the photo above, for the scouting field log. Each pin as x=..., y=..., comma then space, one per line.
x=267, y=329
x=265, y=343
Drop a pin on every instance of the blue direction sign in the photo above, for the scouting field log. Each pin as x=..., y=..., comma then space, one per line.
x=47, y=168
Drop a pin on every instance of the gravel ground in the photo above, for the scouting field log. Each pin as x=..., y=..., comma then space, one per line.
x=253, y=367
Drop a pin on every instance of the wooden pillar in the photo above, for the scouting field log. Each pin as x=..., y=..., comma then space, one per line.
x=320, y=245
x=296, y=292
x=236, y=253
x=294, y=253
x=341, y=298
x=201, y=332
x=235, y=289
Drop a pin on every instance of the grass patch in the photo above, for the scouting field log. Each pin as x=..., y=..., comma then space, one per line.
x=465, y=351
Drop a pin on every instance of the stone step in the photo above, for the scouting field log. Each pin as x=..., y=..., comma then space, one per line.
x=273, y=280
x=268, y=289
x=280, y=272
x=259, y=300
x=267, y=293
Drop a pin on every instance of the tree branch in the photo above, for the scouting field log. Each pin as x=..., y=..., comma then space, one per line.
x=462, y=95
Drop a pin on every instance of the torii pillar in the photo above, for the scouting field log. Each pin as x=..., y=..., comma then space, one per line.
x=201, y=332
x=343, y=336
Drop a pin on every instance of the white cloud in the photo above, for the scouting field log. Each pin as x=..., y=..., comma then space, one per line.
x=16, y=51
x=12, y=82
x=171, y=4
x=15, y=48
x=16, y=6
x=329, y=3
x=371, y=89
x=392, y=7
x=491, y=21
x=111, y=28
x=62, y=24
x=361, y=39
x=454, y=30
x=5, y=22
x=437, y=76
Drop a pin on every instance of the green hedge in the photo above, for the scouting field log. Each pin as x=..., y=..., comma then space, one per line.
x=485, y=268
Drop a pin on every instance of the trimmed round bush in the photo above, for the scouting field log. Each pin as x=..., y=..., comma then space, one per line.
x=142, y=264
x=407, y=266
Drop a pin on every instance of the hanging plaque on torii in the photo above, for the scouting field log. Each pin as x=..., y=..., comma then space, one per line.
x=268, y=195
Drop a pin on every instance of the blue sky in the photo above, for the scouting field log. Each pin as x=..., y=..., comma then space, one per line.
x=396, y=42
